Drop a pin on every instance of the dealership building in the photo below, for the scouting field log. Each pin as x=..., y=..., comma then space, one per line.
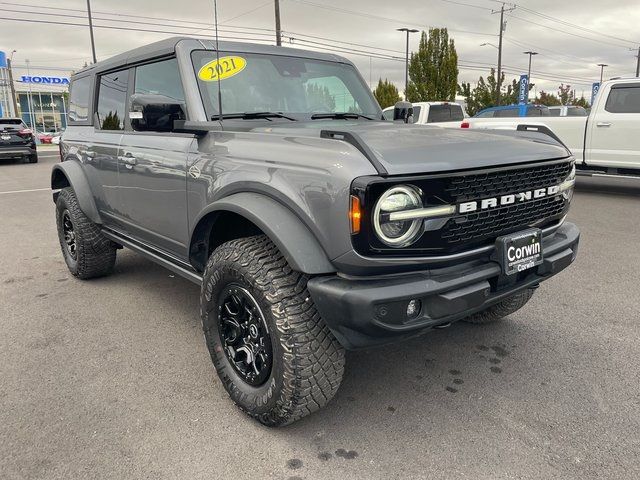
x=40, y=93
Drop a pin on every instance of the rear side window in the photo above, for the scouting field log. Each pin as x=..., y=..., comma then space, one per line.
x=445, y=113
x=538, y=112
x=576, y=112
x=485, y=114
x=416, y=114
x=112, y=99
x=554, y=112
x=388, y=114
x=79, y=100
x=507, y=112
x=160, y=78
x=624, y=99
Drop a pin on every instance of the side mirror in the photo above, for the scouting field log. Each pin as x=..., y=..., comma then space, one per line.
x=155, y=113
x=403, y=111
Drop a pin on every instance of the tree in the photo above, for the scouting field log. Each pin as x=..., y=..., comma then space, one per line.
x=565, y=94
x=582, y=102
x=548, y=99
x=386, y=93
x=484, y=94
x=433, y=69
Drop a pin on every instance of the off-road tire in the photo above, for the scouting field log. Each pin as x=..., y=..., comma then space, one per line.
x=32, y=158
x=307, y=361
x=502, y=309
x=95, y=254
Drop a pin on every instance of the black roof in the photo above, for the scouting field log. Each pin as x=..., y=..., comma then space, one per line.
x=168, y=46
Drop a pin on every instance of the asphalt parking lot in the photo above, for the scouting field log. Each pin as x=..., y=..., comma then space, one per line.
x=111, y=378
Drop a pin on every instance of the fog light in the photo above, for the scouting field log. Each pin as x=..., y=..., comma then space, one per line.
x=413, y=309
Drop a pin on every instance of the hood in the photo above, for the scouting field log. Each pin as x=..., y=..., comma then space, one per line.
x=406, y=149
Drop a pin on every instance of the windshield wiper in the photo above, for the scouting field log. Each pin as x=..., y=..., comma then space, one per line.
x=339, y=115
x=254, y=115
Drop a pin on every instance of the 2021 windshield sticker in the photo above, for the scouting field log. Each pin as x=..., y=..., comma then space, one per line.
x=221, y=68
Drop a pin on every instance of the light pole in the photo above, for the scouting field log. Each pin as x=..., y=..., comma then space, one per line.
x=602, y=65
x=30, y=98
x=531, y=54
x=12, y=88
x=406, y=58
x=278, y=29
x=93, y=44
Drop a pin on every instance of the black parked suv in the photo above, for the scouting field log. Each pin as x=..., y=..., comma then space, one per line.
x=17, y=140
x=268, y=176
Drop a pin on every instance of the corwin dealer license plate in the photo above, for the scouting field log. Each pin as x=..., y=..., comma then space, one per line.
x=520, y=251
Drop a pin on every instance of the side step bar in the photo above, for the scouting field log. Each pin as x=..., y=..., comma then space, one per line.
x=587, y=173
x=155, y=257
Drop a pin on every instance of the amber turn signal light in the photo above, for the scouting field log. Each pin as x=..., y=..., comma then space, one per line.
x=355, y=214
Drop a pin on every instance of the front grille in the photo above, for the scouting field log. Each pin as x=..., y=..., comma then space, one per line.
x=488, y=224
x=482, y=185
x=481, y=227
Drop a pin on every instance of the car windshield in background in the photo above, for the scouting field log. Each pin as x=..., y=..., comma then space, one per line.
x=445, y=113
x=295, y=87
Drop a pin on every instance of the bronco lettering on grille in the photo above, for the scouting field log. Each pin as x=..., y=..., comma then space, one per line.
x=504, y=200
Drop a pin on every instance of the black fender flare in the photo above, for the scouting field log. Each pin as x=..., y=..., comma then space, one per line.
x=69, y=173
x=285, y=229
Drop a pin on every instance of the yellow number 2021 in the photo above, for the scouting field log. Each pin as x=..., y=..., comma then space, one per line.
x=221, y=68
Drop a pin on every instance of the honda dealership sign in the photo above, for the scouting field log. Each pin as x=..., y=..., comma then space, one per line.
x=44, y=80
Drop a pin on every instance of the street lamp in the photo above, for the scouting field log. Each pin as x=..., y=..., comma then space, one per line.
x=531, y=54
x=12, y=87
x=489, y=44
x=406, y=58
x=602, y=65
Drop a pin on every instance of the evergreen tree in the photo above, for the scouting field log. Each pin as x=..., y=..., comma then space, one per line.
x=433, y=69
x=386, y=93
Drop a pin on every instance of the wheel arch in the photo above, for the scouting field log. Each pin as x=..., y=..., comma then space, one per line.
x=245, y=214
x=70, y=174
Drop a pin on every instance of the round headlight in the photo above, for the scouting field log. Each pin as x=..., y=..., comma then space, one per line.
x=397, y=233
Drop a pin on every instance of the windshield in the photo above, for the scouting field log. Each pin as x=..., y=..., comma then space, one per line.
x=296, y=87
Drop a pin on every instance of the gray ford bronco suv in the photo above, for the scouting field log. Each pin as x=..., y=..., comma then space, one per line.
x=268, y=176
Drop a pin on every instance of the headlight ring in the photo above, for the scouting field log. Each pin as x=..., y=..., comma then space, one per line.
x=396, y=199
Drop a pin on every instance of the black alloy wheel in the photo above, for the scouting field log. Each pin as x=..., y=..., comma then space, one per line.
x=69, y=234
x=244, y=335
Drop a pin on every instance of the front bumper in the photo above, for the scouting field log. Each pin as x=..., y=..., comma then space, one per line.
x=370, y=311
x=17, y=151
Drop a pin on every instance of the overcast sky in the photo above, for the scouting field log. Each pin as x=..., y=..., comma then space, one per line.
x=564, y=54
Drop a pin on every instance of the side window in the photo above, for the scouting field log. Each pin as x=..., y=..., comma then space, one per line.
x=554, y=112
x=160, y=78
x=79, y=99
x=112, y=100
x=416, y=113
x=534, y=112
x=388, y=113
x=488, y=114
x=624, y=100
x=507, y=112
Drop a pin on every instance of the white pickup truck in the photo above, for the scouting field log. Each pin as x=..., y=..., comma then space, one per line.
x=444, y=114
x=605, y=142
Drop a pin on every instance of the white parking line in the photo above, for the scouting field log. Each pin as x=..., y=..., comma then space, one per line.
x=26, y=191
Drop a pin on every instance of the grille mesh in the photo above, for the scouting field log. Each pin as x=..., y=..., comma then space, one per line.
x=483, y=185
x=480, y=226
